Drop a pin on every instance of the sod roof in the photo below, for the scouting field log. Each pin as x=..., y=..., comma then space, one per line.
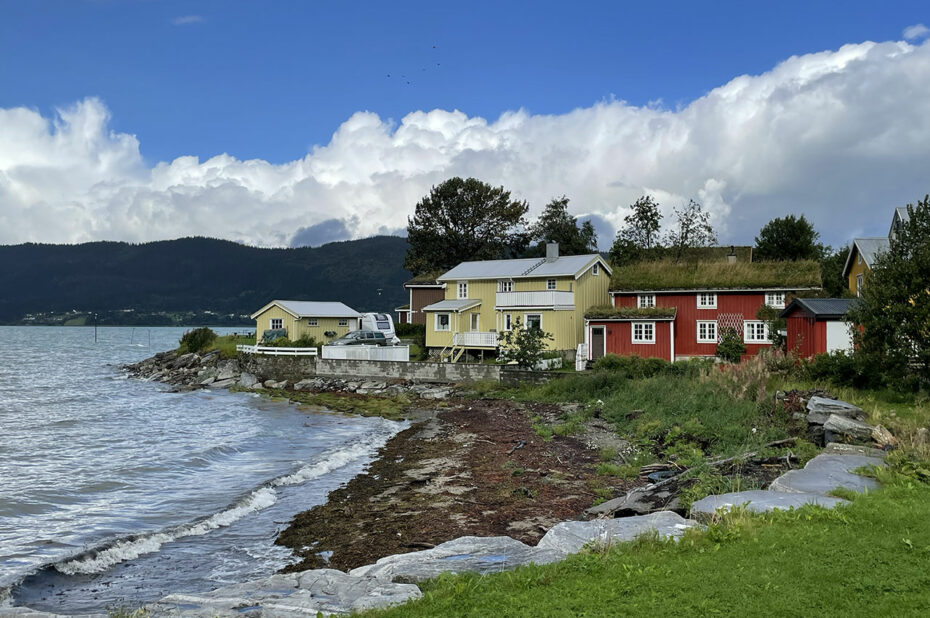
x=609, y=312
x=716, y=275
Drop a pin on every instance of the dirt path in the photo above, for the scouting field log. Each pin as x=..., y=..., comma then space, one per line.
x=454, y=475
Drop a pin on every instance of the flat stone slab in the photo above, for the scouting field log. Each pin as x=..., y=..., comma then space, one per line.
x=759, y=501
x=842, y=429
x=461, y=555
x=25, y=612
x=822, y=405
x=838, y=448
x=824, y=473
x=570, y=536
x=295, y=594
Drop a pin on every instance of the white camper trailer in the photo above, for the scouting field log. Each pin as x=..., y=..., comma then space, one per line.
x=381, y=322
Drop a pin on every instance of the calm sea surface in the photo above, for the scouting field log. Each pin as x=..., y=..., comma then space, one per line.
x=114, y=491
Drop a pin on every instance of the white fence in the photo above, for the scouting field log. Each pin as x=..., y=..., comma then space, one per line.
x=273, y=351
x=545, y=298
x=367, y=352
x=475, y=340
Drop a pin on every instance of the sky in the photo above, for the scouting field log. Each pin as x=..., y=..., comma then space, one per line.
x=298, y=123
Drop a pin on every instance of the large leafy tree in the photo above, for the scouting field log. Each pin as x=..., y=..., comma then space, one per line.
x=555, y=224
x=788, y=238
x=691, y=229
x=831, y=273
x=640, y=234
x=894, y=309
x=463, y=220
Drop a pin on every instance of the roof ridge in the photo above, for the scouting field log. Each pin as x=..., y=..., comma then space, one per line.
x=534, y=267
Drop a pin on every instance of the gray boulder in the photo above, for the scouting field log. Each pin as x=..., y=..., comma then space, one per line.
x=208, y=381
x=273, y=384
x=641, y=501
x=842, y=429
x=309, y=384
x=824, y=473
x=227, y=370
x=758, y=501
x=570, y=536
x=465, y=554
x=222, y=383
x=819, y=410
x=247, y=380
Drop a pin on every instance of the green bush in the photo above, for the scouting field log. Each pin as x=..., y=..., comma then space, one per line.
x=636, y=367
x=410, y=331
x=303, y=342
x=843, y=369
x=731, y=346
x=198, y=340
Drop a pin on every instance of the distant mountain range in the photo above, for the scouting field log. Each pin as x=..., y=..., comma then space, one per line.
x=192, y=280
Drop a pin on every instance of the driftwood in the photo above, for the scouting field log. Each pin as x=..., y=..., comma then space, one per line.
x=520, y=444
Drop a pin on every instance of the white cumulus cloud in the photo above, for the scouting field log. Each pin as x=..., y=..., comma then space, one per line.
x=917, y=31
x=841, y=136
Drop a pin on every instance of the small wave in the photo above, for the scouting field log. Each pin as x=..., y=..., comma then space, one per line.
x=328, y=462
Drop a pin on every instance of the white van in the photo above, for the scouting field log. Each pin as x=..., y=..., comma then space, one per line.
x=379, y=322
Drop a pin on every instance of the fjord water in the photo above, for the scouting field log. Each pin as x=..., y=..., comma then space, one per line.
x=114, y=491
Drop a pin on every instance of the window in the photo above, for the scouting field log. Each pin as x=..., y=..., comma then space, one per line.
x=475, y=321
x=707, y=300
x=505, y=286
x=644, y=332
x=858, y=285
x=550, y=284
x=463, y=289
x=596, y=269
x=312, y=322
x=775, y=299
x=533, y=320
x=442, y=321
x=508, y=321
x=343, y=322
x=645, y=300
x=859, y=258
x=277, y=323
x=706, y=332
x=755, y=332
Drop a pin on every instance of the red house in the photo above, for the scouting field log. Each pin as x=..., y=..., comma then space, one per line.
x=707, y=298
x=817, y=326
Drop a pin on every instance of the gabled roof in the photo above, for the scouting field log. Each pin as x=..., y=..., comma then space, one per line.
x=868, y=248
x=563, y=266
x=824, y=308
x=453, y=305
x=311, y=309
x=668, y=276
x=899, y=218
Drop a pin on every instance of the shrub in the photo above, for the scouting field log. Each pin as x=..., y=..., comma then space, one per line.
x=410, y=331
x=636, y=367
x=198, y=340
x=844, y=369
x=523, y=346
x=731, y=346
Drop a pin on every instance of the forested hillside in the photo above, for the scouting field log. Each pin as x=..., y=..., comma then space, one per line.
x=196, y=275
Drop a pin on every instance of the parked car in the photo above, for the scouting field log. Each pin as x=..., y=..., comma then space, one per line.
x=361, y=337
x=381, y=322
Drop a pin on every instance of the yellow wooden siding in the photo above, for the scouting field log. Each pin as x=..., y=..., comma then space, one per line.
x=858, y=267
x=298, y=328
x=439, y=339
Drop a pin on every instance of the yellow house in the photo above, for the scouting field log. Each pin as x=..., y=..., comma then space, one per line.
x=483, y=299
x=862, y=255
x=323, y=321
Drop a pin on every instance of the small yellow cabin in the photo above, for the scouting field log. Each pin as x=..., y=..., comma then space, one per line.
x=324, y=321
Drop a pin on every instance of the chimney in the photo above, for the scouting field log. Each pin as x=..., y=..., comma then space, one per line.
x=552, y=251
x=731, y=257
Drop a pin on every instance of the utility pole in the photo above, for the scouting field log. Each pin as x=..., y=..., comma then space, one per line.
x=95, y=328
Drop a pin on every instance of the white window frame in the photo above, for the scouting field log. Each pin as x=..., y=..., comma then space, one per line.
x=526, y=320
x=644, y=301
x=437, y=327
x=711, y=297
x=550, y=285
x=462, y=290
x=313, y=322
x=474, y=322
x=280, y=322
x=345, y=321
x=596, y=269
x=707, y=338
x=859, y=285
x=775, y=299
x=640, y=338
x=753, y=325
x=505, y=285
x=508, y=321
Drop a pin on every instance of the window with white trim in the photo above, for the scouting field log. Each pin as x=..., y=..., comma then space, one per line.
x=550, y=284
x=276, y=324
x=442, y=321
x=775, y=299
x=644, y=301
x=313, y=322
x=858, y=285
x=505, y=286
x=475, y=321
x=755, y=332
x=859, y=258
x=644, y=332
x=707, y=331
x=707, y=300
x=596, y=269
x=463, y=289
x=508, y=321
x=343, y=321
x=533, y=320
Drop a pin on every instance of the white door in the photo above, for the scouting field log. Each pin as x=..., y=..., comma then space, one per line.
x=839, y=336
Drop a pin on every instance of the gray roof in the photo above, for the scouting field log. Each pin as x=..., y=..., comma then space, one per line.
x=312, y=309
x=453, y=305
x=563, y=266
x=820, y=307
x=868, y=248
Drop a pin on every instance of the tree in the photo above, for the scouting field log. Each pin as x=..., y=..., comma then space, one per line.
x=523, y=346
x=787, y=239
x=731, y=347
x=640, y=234
x=463, y=220
x=893, y=312
x=556, y=225
x=831, y=273
x=692, y=229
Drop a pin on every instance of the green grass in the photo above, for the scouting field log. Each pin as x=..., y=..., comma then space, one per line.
x=667, y=275
x=866, y=559
x=392, y=408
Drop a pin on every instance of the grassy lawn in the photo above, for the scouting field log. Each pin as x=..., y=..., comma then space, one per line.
x=869, y=558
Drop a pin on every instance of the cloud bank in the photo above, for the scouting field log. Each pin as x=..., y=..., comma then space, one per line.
x=841, y=136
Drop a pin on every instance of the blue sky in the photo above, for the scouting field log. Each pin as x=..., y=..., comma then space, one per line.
x=108, y=93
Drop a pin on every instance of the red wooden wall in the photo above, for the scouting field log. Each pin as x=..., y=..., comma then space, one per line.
x=806, y=335
x=619, y=340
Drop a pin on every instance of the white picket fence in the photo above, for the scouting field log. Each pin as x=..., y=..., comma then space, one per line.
x=273, y=351
x=367, y=352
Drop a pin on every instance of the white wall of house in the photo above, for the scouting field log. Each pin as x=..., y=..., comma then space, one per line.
x=839, y=336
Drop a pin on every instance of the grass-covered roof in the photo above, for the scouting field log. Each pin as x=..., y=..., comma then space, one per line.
x=425, y=278
x=715, y=275
x=609, y=312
